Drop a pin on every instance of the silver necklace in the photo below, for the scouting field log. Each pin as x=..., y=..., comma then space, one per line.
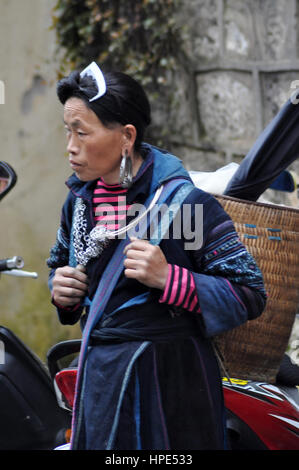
x=87, y=246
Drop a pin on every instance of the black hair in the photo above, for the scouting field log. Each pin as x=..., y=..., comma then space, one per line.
x=124, y=102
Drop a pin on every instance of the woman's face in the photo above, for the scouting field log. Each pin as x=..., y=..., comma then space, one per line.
x=94, y=150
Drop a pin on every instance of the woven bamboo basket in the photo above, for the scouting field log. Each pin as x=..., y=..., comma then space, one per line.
x=271, y=234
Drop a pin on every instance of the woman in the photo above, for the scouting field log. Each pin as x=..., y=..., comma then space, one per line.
x=153, y=296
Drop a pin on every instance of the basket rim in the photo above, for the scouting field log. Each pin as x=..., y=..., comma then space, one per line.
x=258, y=204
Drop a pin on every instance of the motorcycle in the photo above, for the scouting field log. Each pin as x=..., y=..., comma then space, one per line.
x=30, y=416
x=261, y=416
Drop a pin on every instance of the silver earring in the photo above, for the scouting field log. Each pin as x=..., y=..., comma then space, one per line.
x=126, y=171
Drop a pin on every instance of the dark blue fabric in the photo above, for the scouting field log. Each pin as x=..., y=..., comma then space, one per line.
x=180, y=402
x=104, y=391
x=274, y=150
x=284, y=182
x=109, y=280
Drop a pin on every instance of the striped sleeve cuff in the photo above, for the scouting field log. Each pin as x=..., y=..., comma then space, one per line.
x=180, y=289
x=67, y=309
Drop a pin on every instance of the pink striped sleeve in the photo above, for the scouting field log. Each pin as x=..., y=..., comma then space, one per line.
x=180, y=289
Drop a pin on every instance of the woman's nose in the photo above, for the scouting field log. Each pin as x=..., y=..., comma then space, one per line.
x=72, y=145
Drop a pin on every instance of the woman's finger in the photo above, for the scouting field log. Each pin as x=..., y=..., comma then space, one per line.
x=137, y=244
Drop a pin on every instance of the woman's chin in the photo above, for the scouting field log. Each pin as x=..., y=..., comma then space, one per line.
x=83, y=177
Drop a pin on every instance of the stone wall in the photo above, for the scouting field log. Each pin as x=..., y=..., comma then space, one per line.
x=241, y=57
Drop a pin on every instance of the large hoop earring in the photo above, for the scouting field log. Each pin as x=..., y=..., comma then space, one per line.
x=126, y=171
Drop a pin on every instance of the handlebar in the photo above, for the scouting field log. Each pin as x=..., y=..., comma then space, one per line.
x=20, y=273
x=11, y=263
x=12, y=267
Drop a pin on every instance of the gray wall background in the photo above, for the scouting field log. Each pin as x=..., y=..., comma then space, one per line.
x=242, y=57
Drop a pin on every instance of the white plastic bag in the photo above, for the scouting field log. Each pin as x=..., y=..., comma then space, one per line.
x=214, y=182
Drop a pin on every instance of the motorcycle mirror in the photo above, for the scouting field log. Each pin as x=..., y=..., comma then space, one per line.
x=8, y=178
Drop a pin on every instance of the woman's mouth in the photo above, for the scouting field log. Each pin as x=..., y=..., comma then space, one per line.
x=74, y=165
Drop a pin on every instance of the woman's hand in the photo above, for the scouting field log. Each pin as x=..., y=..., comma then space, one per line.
x=70, y=285
x=146, y=263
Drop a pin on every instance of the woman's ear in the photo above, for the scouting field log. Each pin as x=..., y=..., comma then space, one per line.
x=129, y=137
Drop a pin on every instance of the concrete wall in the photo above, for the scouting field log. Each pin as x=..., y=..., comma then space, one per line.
x=33, y=141
x=241, y=59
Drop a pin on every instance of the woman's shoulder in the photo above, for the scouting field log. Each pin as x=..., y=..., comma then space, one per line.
x=213, y=213
x=199, y=196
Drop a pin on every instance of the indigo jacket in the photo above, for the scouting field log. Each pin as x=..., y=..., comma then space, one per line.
x=151, y=377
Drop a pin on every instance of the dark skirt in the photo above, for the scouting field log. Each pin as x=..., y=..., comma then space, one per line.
x=154, y=396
